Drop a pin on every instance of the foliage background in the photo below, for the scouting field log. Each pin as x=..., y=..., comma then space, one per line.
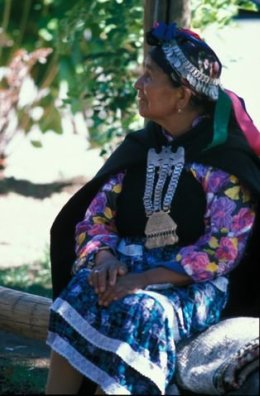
x=97, y=52
x=96, y=47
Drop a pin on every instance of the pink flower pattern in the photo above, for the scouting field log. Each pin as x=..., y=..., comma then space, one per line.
x=227, y=225
x=242, y=221
x=227, y=249
x=98, y=230
x=194, y=261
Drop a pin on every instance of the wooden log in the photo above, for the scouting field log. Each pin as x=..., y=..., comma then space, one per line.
x=179, y=11
x=24, y=313
x=167, y=11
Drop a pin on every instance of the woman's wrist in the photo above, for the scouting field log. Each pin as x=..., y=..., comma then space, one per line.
x=103, y=254
x=163, y=275
x=145, y=279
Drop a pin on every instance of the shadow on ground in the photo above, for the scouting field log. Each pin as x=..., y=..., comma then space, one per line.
x=24, y=364
x=35, y=190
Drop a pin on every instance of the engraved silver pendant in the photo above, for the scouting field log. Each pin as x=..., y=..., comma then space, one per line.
x=160, y=230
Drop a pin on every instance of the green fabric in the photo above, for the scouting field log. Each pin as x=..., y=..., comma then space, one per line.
x=221, y=119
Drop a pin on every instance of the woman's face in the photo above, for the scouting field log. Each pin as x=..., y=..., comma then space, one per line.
x=157, y=96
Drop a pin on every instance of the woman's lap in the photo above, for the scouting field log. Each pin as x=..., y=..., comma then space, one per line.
x=132, y=340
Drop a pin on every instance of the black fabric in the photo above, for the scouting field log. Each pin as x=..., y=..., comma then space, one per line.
x=244, y=295
x=193, y=47
x=234, y=156
x=131, y=219
x=132, y=152
x=158, y=56
x=62, y=233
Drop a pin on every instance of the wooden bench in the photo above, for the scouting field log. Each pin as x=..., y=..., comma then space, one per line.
x=24, y=313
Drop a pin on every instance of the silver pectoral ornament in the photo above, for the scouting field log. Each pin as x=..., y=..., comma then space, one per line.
x=160, y=230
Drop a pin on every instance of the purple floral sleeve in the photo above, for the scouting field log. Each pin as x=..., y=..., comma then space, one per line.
x=97, y=229
x=228, y=221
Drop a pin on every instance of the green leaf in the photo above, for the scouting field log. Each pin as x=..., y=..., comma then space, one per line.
x=36, y=143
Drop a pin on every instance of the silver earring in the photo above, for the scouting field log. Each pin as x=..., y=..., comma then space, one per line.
x=179, y=110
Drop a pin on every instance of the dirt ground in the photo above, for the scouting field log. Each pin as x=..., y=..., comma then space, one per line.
x=27, y=211
x=24, y=364
x=14, y=347
x=33, y=188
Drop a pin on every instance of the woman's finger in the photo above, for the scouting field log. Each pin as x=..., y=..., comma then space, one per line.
x=95, y=279
x=107, y=297
x=122, y=270
x=112, y=275
x=101, y=280
x=119, y=269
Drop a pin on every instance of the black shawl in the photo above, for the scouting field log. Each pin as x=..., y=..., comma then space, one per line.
x=234, y=156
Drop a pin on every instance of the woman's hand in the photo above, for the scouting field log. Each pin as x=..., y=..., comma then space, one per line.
x=124, y=285
x=106, y=271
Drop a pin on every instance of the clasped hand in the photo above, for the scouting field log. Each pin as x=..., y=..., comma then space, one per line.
x=111, y=281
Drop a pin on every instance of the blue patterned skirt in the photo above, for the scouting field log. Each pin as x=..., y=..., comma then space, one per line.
x=129, y=346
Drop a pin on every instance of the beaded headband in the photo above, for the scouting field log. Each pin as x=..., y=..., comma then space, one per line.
x=190, y=57
x=200, y=82
x=191, y=62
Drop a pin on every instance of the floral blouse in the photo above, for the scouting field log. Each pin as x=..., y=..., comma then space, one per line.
x=228, y=219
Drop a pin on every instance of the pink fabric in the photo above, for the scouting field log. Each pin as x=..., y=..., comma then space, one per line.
x=250, y=131
x=229, y=217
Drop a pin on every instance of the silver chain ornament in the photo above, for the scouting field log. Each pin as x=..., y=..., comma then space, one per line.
x=160, y=228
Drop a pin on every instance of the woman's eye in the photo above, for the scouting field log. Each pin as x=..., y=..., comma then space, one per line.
x=147, y=77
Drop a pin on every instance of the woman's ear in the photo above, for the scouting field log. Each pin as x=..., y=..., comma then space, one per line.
x=184, y=96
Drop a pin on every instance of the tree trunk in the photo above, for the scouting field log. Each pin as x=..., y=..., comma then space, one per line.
x=24, y=313
x=167, y=11
x=179, y=11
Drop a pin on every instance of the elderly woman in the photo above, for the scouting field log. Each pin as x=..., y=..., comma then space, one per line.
x=152, y=239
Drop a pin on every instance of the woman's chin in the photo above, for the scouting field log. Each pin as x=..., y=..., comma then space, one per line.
x=143, y=111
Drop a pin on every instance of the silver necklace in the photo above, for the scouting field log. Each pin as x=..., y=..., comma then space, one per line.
x=160, y=228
